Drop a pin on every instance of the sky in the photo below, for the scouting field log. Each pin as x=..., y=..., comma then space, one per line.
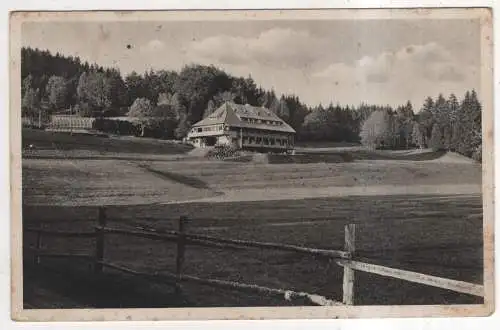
x=321, y=61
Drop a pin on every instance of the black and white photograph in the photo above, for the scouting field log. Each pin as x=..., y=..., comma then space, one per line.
x=184, y=162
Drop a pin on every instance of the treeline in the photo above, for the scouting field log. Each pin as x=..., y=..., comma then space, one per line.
x=57, y=84
x=169, y=102
x=441, y=124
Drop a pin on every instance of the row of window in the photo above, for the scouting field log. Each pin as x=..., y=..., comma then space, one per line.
x=260, y=121
x=264, y=141
x=214, y=128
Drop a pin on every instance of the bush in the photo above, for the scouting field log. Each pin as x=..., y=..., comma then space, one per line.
x=84, y=109
x=477, y=154
x=222, y=152
x=115, y=126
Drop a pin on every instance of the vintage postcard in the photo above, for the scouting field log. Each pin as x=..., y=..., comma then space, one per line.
x=258, y=164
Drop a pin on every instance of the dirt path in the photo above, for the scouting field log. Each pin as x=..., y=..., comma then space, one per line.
x=241, y=195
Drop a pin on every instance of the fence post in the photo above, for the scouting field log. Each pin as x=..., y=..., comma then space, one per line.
x=99, y=235
x=350, y=246
x=181, y=246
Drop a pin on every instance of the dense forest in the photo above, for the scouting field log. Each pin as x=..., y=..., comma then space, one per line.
x=172, y=101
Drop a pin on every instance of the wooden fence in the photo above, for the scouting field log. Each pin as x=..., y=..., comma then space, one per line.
x=181, y=238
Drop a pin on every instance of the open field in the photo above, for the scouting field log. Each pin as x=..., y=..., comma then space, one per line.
x=59, y=144
x=438, y=235
x=102, y=182
x=433, y=225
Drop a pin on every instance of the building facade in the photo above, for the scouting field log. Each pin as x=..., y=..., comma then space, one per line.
x=243, y=127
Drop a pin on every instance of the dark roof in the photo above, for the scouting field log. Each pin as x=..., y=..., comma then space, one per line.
x=241, y=115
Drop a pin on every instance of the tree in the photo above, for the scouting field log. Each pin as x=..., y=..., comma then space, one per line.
x=57, y=92
x=245, y=91
x=468, y=127
x=453, y=107
x=268, y=98
x=94, y=90
x=40, y=65
x=297, y=112
x=440, y=109
x=469, y=123
x=436, y=140
x=210, y=109
x=404, y=124
x=426, y=117
x=142, y=109
x=418, y=137
x=280, y=108
x=196, y=85
x=116, y=90
x=168, y=111
x=447, y=137
x=221, y=97
x=377, y=130
x=27, y=84
x=30, y=103
x=135, y=86
x=166, y=81
x=183, y=127
x=474, y=129
x=315, y=125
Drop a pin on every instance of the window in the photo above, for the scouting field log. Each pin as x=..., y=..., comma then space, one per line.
x=266, y=141
x=272, y=141
x=259, y=140
x=200, y=129
x=251, y=139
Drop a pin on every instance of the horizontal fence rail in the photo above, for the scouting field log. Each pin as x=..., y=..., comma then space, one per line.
x=49, y=254
x=286, y=294
x=406, y=275
x=181, y=238
x=166, y=237
x=60, y=233
x=172, y=235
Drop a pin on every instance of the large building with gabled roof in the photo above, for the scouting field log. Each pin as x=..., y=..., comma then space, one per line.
x=244, y=127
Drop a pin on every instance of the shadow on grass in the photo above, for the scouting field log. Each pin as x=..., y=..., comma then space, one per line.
x=50, y=287
x=183, y=179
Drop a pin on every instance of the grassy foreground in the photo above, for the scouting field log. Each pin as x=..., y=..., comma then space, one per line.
x=438, y=235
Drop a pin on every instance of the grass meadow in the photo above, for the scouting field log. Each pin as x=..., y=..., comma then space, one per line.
x=421, y=213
